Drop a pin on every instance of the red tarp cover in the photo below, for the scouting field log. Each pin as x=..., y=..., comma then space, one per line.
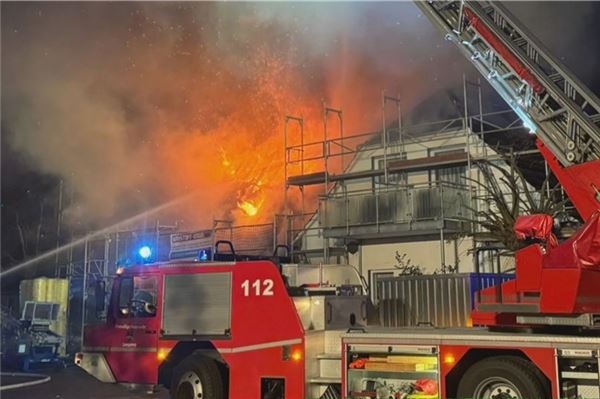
x=536, y=226
x=581, y=250
x=586, y=246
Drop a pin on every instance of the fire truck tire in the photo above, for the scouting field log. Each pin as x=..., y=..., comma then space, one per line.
x=501, y=377
x=197, y=377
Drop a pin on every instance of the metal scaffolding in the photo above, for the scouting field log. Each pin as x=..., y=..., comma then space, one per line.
x=389, y=209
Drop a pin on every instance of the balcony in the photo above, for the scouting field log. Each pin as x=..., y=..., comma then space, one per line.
x=410, y=211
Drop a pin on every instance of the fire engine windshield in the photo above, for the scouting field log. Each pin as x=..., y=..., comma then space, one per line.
x=137, y=296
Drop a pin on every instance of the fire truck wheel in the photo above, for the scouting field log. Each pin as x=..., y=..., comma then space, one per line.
x=503, y=377
x=197, y=377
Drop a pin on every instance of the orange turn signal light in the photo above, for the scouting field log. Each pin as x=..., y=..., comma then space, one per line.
x=449, y=359
x=162, y=354
x=297, y=355
x=293, y=353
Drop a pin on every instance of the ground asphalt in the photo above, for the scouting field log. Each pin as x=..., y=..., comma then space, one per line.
x=74, y=383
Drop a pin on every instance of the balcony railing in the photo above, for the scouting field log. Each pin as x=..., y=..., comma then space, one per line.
x=409, y=204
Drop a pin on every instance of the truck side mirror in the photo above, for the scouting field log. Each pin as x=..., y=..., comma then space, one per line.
x=100, y=295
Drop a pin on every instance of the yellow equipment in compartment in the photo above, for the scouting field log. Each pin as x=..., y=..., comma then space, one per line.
x=396, y=363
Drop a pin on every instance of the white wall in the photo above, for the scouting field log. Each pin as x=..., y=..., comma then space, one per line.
x=426, y=254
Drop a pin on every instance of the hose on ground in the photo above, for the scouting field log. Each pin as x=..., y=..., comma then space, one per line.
x=38, y=379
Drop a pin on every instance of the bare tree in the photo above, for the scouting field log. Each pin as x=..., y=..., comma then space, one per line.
x=38, y=233
x=446, y=269
x=21, y=235
x=406, y=267
x=30, y=235
x=509, y=195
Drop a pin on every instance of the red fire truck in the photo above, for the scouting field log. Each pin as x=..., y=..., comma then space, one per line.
x=239, y=329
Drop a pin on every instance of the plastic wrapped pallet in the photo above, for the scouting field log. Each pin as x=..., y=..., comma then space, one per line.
x=45, y=289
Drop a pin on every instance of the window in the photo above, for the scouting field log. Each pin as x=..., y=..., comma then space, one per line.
x=394, y=179
x=452, y=174
x=125, y=292
x=455, y=175
x=137, y=296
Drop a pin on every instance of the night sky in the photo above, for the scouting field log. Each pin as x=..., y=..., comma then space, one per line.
x=92, y=91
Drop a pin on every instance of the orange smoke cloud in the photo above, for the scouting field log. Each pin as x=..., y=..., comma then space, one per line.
x=134, y=104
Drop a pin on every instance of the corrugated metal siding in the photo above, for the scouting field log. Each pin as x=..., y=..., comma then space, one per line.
x=440, y=300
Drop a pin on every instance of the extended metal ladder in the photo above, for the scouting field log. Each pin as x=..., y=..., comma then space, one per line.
x=550, y=101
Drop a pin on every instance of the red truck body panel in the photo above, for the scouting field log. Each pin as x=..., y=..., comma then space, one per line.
x=261, y=326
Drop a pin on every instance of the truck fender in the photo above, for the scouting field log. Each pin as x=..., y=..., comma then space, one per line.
x=184, y=349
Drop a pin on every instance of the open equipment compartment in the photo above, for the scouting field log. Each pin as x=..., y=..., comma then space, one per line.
x=382, y=371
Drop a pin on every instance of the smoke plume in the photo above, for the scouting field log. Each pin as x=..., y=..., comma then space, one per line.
x=133, y=104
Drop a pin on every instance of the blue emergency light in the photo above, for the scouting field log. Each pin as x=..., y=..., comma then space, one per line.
x=203, y=255
x=145, y=252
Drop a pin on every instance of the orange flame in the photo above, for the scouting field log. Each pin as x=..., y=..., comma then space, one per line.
x=248, y=208
x=240, y=161
x=250, y=196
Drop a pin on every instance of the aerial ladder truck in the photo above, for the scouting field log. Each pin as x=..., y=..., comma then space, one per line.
x=238, y=329
x=565, y=116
